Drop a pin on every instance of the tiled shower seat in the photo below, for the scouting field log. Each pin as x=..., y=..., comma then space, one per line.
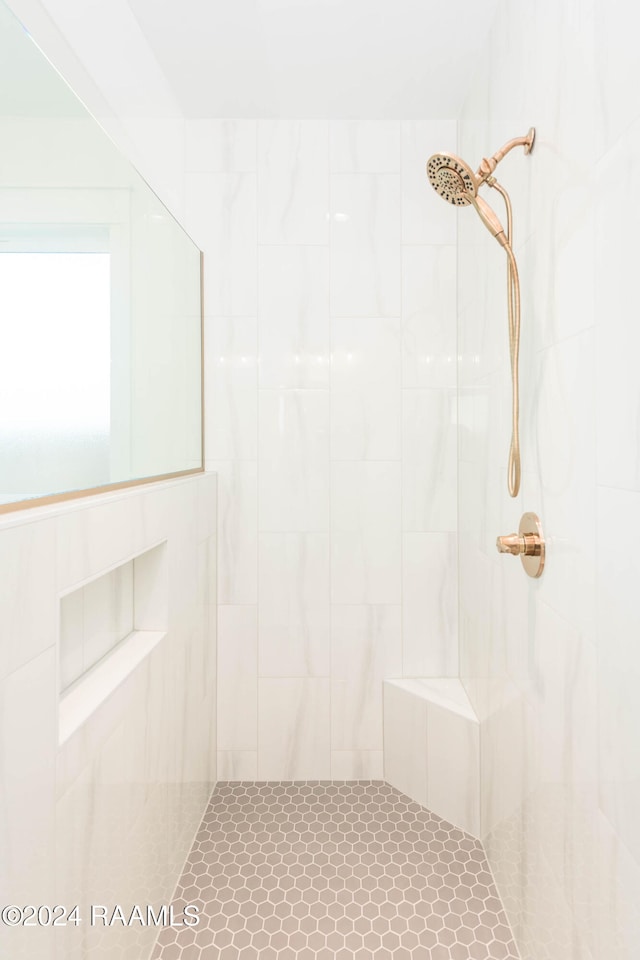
x=432, y=748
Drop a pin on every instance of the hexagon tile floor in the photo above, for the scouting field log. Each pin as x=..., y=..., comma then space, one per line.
x=324, y=870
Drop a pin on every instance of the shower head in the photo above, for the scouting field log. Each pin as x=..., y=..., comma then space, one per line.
x=452, y=179
x=456, y=183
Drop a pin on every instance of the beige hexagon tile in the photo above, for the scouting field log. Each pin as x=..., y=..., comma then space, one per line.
x=334, y=871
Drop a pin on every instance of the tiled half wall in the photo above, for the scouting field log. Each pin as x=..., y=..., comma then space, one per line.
x=108, y=815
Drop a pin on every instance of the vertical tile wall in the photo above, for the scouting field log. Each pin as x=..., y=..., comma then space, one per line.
x=554, y=664
x=331, y=421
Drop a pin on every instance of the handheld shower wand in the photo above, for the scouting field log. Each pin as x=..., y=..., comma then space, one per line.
x=456, y=183
x=490, y=220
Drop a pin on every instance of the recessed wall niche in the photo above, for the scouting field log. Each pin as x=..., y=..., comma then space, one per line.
x=107, y=626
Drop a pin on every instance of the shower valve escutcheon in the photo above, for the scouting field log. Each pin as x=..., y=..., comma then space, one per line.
x=528, y=544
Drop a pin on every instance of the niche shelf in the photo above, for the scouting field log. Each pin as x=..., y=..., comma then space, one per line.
x=108, y=626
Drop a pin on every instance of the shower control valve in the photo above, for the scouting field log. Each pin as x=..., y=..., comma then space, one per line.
x=528, y=544
x=511, y=543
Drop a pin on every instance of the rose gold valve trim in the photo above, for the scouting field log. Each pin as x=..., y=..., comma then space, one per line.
x=510, y=543
x=528, y=544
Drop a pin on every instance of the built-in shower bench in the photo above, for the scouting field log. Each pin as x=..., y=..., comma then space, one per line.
x=432, y=747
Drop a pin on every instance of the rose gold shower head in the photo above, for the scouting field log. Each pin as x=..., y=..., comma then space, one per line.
x=452, y=179
x=456, y=183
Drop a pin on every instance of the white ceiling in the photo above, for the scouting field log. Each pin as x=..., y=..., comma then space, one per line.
x=316, y=58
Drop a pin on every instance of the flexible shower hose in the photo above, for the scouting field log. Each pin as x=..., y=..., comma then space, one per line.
x=513, y=306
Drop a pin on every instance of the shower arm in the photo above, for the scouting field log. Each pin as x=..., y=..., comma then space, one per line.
x=487, y=166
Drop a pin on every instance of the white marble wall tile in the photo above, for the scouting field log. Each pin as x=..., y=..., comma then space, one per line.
x=483, y=333
x=562, y=401
x=366, y=648
x=297, y=400
x=540, y=911
x=237, y=678
x=618, y=664
x=205, y=604
x=237, y=534
x=77, y=752
x=231, y=388
x=207, y=506
x=619, y=893
x=453, y=758
x=100, y=623
x=122, y=599
x=308, y=411
x=151, y=597
x=486, y=641
x=94, y=538
x=29, y=723
x=364, y=146
x=71, y=652
x=155, y=516
x=365, y=245
x=566, y=718
x=293, y=166
x=294, y=460
x=294, y=605
x=357, y=765
x=221, y=218
x=429, y=454
x=293, y=310
x=365, y=532
x=571, y=44
x=563, y=828
x=221, y=146
x=507, y=778
x=615, y=52
x=182, y=576
x=237, y=765
x=429, y=605
x=561, y=276
x=426, y=218
x=27, y=561
x=365, y=389
x=618, y=338
x=618, y=573
x=574, y=861
x=483, y=441
x=107, y=613
x=405, y=738
x=429, y=316
x=294, y=722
